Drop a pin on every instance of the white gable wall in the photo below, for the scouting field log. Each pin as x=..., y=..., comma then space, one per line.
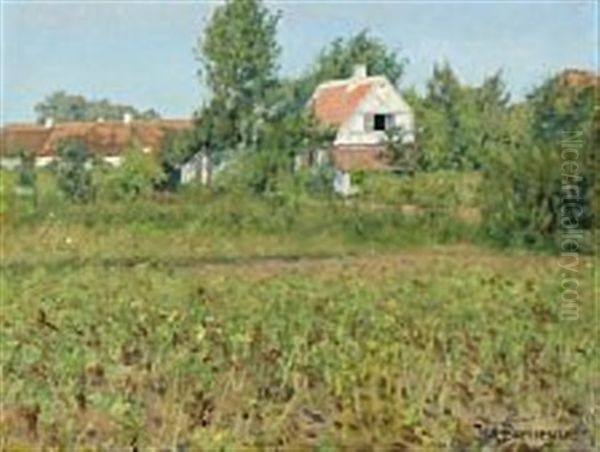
x=198, y=166
x=382, y=99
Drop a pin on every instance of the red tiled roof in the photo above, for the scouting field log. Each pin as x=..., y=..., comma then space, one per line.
x=64, y=131
x=355, y=157
x=577, y=78
x=101, y=138
x=333, y=103
x=18, y=137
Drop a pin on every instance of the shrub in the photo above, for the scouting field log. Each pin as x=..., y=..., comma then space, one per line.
x=26, y=183
x=319, y=181
x=26, y=170
x=403, y=154
x=74, y=179
x=137, y=176
x=256, y=172
x=177, y=148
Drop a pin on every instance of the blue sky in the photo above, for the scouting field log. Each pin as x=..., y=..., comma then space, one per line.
x=141, y=53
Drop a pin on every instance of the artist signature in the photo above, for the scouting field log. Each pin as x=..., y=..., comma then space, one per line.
x=502, y=432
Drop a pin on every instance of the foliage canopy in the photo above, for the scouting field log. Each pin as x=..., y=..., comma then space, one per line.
x=61, y=107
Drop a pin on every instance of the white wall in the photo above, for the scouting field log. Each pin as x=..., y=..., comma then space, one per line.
x=114, y=160
x=198, y=166
x=44, y=161
x=188, y=173
x=383, y=99
x=10, y=163
x=342, y=183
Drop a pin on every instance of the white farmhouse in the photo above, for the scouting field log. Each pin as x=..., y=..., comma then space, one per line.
x=362, y=108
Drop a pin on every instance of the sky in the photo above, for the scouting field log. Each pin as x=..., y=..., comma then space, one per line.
x=141, y=52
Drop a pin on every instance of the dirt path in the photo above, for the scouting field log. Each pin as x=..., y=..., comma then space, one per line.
x=461, y=255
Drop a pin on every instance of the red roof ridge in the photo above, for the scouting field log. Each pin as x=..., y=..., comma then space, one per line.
x=334, y=101
x=102, y=137
x=579, y=78
x=22, y=125
x=35, y=125
x=349, y=83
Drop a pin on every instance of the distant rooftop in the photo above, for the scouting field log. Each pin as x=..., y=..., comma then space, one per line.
x=102, y=137
x=335, y=101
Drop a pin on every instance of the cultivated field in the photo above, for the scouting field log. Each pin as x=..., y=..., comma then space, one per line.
x=201, y=321
x=399, y=349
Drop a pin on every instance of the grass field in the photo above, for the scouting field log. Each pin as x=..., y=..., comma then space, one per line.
x=197, y=322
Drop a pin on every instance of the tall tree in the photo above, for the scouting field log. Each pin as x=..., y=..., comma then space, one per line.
x=442, y=136
x=457, y=123
x=238, y=54
x=337, y=61
x=542, y=177
x=491, y=118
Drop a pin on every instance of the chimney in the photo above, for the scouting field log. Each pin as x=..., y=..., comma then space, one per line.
x=360, y=71
x=127, y=118
x=49, y=122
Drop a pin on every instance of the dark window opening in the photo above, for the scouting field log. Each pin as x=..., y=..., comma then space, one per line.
x=379, y=122
x=383, y=122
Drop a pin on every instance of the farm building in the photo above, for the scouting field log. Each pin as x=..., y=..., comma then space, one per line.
x=105, y=139
x=363, y=109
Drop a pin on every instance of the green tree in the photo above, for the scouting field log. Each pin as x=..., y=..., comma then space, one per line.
x=536, y=184
x=446, y=105
x=339, y=58
x=489, y=119
x=457, y=124
x=73, y=177
x=337, y=61
x=61, y=107
x=566, y=125
x=238, y=54
x=269, y=169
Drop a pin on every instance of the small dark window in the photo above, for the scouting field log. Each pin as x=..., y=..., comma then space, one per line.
x=383, y=122
x=380, y=122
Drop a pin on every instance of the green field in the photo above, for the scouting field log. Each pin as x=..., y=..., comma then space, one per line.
x=204, y=322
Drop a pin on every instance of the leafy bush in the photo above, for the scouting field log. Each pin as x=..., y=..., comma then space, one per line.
x=136, y=176
x=255, y=172
x=404, y=154
x=26, y=170
x=319, y=181
x=26, y=178
x=73, y=177
x=177, y=147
